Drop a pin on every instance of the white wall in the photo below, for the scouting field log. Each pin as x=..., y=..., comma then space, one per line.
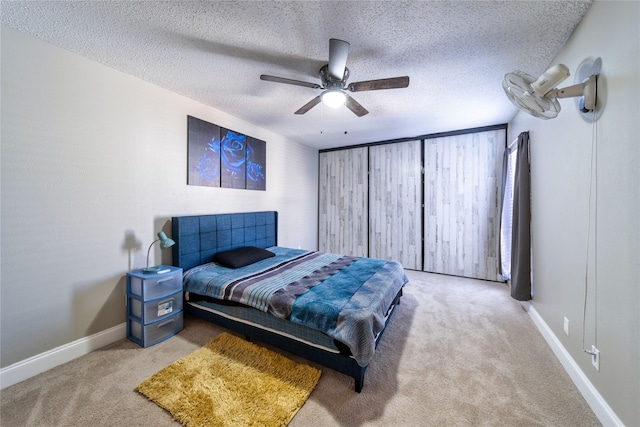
x=560, y=171
x=92, y=160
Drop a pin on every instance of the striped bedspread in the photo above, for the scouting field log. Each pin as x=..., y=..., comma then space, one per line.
x=345, y=297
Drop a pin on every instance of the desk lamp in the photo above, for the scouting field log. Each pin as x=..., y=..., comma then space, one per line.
x=165, y=243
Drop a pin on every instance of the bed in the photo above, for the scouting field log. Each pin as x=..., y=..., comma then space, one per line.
x=331, y=309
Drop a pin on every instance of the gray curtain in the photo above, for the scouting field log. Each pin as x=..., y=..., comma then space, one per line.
x=505, y=165
x=521, y=237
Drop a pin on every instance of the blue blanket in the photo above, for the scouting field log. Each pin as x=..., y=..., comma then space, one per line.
x=345, y=297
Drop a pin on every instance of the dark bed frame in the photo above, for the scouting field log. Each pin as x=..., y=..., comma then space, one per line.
x=199, y=237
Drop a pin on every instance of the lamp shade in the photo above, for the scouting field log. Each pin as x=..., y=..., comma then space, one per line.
x=165, y=242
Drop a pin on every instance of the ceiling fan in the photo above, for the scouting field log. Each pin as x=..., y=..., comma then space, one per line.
x=334, y=76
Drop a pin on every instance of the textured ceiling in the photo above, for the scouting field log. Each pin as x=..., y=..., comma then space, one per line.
x=455, y=53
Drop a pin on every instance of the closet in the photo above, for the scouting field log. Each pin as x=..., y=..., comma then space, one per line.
x=342, y=203
x=395, y=203
x=431, y=203
x=463, y=176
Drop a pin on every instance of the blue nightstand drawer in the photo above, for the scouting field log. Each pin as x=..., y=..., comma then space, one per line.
x=153, y=333
x=149, y=287
x=150, y=311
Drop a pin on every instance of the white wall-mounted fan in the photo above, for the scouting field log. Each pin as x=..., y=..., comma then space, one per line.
x=539, y=97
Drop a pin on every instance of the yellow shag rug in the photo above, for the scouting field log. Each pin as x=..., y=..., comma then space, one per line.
x=232, y=382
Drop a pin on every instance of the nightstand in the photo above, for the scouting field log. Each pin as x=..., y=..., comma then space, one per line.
x=154, y=305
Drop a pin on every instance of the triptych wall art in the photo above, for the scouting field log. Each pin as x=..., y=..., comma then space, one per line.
x=220, y=157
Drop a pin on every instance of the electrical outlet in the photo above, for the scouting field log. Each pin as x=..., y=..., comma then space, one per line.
x=566, y=325
x=595, y=357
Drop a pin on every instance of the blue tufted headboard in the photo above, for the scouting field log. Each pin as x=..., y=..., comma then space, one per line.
x=199, y=237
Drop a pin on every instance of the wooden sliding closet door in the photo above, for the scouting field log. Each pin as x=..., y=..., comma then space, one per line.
x=343, y=195
x=395, y=203
x=462, y=217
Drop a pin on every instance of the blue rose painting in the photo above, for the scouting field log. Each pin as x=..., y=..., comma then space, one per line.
x=256, y=164
x=204, y=153
x=233, y=159
x=220, y=157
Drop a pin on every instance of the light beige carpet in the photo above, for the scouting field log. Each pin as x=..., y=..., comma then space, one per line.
x=232, y=382
x=457, y=352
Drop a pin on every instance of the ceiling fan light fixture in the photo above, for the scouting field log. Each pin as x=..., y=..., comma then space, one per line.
x=333, y=98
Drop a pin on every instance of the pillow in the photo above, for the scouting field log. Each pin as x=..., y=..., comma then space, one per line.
x=242, y=256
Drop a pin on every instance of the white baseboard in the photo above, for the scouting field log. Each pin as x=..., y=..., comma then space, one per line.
x=598, y=405
x=39, y=363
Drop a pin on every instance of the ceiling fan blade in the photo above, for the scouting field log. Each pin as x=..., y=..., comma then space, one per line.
x=338, y=53
x=309, y=105
x=354, y=106
x=289, y=81
x=391, y=83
